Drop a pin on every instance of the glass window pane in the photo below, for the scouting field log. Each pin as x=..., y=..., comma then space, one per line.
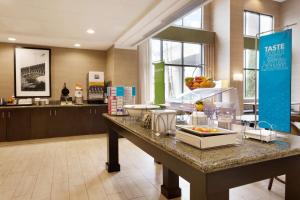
x=173, y=81
x=172, y=52
x=191, y=72
x=192, y=54
x=250, y=58
x=249, y=82
x=193, y=19
x=178, y=22
x=266, y=23
x=155, y=50
x=251, y=24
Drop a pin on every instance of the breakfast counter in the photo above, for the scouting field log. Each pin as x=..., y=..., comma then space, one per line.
x=54, y=105
x=238, y=164
x=54, y=120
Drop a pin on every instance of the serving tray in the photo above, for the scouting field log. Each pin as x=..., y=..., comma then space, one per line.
x=189, y=129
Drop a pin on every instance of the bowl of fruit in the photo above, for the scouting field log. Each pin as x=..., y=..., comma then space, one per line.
x=199, y=82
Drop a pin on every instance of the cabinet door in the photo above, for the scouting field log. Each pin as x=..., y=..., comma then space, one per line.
x=63, y=122
x=18, y=124
x=85, y=121
x=99, y=122
x=40, y=119
x=2, y=126
x=56, y=123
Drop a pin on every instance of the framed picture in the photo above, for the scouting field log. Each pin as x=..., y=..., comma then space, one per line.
x=32, y=72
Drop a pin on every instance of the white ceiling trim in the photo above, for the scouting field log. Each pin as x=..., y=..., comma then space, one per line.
x=156, y=20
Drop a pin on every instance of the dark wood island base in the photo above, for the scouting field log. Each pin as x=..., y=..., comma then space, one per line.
x=170, y=188
x=211, y=173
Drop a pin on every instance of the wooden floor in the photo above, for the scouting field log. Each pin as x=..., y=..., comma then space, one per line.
x=73, y=168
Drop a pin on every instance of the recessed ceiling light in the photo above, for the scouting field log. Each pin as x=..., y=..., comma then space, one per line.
x=11, y=39
x=77, y=45
x=90, y=31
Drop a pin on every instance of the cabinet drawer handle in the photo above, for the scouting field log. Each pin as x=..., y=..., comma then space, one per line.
x=95, y=112
x=90, y=111
x=55, y=112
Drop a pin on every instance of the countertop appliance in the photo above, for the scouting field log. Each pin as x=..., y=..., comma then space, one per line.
x=65, y=99
x=2, y=102
x=78, y=95
x=95, y=87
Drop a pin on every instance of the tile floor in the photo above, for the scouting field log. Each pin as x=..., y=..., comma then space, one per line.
x=73, y=168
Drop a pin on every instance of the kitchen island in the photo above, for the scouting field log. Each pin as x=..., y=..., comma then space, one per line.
x=211, y=172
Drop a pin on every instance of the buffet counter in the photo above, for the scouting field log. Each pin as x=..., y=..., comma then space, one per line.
x=211, y=172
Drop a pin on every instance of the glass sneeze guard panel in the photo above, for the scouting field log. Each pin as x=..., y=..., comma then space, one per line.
x=219, y=96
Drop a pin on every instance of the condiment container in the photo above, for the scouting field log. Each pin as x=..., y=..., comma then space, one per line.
x=163, y=121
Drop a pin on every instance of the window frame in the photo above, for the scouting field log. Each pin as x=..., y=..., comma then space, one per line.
x=190, y=27
x=259, y=23
x=246, y=68
x=182, y=65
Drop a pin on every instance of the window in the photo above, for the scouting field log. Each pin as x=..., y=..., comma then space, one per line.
x=254, y=23
x=181, y=60
x=191, y=20
x=250, y=69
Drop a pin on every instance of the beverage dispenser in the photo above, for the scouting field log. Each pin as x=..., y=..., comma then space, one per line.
x=95, y=87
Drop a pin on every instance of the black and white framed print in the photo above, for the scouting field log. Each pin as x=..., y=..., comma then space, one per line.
x=32, y=72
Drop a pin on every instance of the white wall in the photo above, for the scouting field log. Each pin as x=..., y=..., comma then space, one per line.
x=290, y=13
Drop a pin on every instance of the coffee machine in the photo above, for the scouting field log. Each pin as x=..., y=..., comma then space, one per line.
x=95, y=87
x=65, y=99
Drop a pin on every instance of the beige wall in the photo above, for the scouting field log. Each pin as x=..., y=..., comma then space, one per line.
x=122, y=67
x=110, y=63
x=290, y=13
x=126, y=67
x=237, y=44
x=6, y=70
x=67, y=65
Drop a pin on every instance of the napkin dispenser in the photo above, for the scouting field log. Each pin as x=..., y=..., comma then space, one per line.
x=163, y=121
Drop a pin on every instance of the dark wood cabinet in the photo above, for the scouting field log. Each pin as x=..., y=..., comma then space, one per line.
x=40, y=118
x=45, y=122
x=18, y=124
x=63, y=122
x=85, y=123
x=2, y=126
x=99, y=122
x=93, y=121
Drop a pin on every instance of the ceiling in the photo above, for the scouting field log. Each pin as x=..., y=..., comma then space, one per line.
x=156, y=20
x=63, y=23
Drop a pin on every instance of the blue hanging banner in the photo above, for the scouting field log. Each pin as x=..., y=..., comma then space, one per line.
x=275, y=58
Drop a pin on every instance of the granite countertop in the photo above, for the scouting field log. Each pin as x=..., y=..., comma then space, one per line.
x=216, y=159
x=50, y=106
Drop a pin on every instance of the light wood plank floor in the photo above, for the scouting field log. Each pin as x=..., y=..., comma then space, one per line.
x=73, y=168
